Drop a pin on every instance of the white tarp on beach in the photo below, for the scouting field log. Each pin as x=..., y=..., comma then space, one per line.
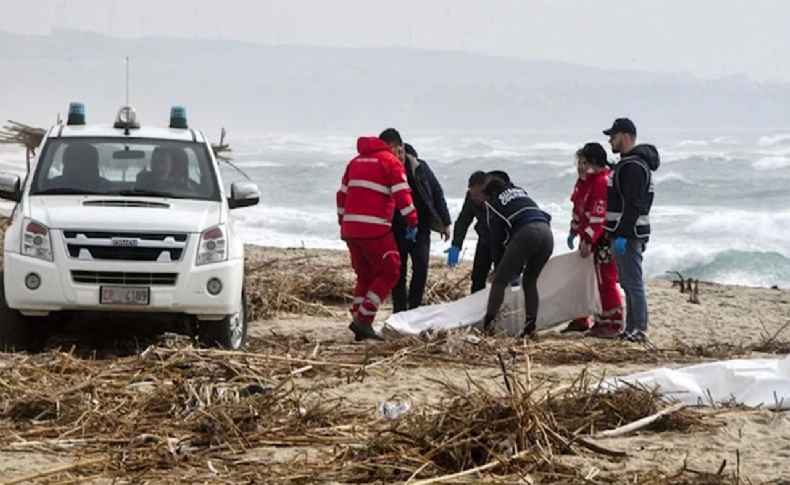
x=750, y=382
x=568, y=289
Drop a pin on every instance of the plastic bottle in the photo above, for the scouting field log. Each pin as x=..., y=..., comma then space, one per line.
x=393, y=409
x=513, y=311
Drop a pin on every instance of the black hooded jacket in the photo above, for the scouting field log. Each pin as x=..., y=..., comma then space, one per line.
x=469, y=212
x=429, y=200
x=508, y=209
x=630, y=194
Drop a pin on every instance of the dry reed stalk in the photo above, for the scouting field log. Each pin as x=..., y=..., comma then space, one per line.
x=575, y=352
x=473, y=428
x=300, y=286
x=166, y=413
x=29, y=137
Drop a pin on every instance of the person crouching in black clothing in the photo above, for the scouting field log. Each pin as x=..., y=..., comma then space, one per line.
x=474, y=208
x=521, y=238
x=433, y=215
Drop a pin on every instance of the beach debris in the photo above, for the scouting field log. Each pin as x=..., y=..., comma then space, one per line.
x=521, y=432
x=28, y=137
x=220, y=404
x=300, y=285
x=681, y=282
x=771, y=343
x=693, y=292
x=221, y=153
x=394, y=409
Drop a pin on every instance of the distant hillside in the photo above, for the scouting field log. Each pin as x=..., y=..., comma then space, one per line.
x=247, y=86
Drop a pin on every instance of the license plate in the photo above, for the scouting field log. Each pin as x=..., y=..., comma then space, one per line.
x=124, y=295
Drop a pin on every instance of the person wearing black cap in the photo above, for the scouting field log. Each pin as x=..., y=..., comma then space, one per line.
x=472, y=209
x=433, y=215
x=630, y=198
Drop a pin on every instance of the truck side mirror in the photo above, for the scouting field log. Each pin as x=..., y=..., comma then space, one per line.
x=243, y=194
x=10, y=187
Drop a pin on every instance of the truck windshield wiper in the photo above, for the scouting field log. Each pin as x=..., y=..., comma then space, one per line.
x=149, y=192
x=67, y=191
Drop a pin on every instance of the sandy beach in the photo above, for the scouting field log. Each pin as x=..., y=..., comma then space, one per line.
x=302, y=343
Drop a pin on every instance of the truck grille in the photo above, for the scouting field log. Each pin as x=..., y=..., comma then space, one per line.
x=124, y=278
x=125, y=246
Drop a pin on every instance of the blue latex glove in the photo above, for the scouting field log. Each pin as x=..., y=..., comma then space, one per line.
x=571, y=237
x=516, y=281
x=411, y=234
x=619, y=245
x=452, y=256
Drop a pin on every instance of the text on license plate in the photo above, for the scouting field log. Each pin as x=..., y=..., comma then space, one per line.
x=124, y=295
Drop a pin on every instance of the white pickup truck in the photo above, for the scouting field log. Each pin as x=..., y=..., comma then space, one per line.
x=123, y=218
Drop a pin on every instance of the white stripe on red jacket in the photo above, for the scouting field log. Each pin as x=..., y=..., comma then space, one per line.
x=591, y=207
x=373, y=185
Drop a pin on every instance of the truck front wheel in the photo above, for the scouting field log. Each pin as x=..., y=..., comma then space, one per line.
x=229, y=333
x=19, y=333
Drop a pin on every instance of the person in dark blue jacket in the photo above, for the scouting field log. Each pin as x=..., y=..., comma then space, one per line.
x=474, y=208
x=631, y=194
x=433, y=215
x=521, y=239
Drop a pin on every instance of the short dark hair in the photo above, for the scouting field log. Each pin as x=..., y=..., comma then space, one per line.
x=499, y=174
x=410, y=150
x=390, y=136
x=478, y=178
x=494, y=185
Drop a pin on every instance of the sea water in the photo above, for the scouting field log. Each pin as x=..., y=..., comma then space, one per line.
x=721, y=210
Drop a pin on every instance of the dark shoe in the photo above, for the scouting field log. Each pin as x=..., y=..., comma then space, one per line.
x=357, y=336
x=363, y=331
x=576, y=326
x=488, y=324
x=638, y=336
x=530, y=329
x=625, y=335
x=605, y=331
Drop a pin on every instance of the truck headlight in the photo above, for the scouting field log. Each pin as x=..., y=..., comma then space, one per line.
x=213, y=246
x=36, y=241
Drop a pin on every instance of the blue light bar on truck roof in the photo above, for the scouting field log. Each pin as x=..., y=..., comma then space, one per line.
x=178, y=117
x=76, y=114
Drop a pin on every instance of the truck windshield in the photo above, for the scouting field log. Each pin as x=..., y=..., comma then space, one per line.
x=125, y=166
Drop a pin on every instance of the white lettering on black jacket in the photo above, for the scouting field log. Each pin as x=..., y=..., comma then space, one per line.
x=506, y=212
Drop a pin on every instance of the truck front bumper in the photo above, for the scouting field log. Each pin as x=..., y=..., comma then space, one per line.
x=58, y=291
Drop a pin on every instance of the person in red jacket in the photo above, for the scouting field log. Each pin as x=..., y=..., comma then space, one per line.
x=580, y=191
x=373, y=185
x=593, y=240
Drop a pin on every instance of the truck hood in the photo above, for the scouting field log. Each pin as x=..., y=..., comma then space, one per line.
x=124, y=213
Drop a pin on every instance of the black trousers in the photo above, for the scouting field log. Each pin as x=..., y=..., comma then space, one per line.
x=420, y=254
x=530, y=249
x=481, y=265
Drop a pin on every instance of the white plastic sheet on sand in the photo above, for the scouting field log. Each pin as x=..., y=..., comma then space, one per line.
x=749, y=382
x=568, y=289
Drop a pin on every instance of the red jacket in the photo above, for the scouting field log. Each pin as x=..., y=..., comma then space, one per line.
x=589, y=206
x=577, y=198
x=373, y=185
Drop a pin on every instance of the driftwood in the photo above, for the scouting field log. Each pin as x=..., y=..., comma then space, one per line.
x=639, y=424
x=687, y=285
x=693, y=292
x=681, y=282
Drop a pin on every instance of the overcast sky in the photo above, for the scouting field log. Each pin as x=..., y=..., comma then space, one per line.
x=702, y=37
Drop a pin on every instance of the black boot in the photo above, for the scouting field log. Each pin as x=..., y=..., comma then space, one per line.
x=530, y=328
x=488, y=324
x=363, y=331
